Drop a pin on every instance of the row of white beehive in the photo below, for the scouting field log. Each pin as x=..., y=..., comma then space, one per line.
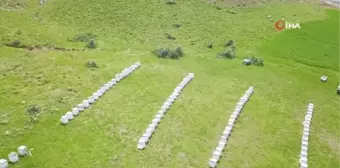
x=305, y=136
x=13, y=157
x=152, y=127
x=217, y=153
x=96, y=95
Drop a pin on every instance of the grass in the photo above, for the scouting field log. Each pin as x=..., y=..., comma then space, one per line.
x=267, y=134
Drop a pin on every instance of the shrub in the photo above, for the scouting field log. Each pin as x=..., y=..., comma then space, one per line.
x=91, y=44
x=4, y=120
x=33, y=109
x=171, y=2
x=210, y=45
x=176, y=54
x=168, y=36
x=87, y=37
x=91, y=64
x=177, y=25
x=168, y=53
x=229, y=43
x=33, y=112
x=229, y=53
x=161, y=53
x=16, y=44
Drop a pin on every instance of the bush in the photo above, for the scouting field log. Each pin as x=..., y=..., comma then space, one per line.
x=4, y=120
x=33, y=109
x=176, y=54
x=91, y=44
x=161, y=53
x=33, y=112
x=91, y=64
x=229, y=53
x=16, y=44
x=210, y=45
x=168, y=53
x=171, y=2
x=168, y=36
x=229, y=43
x=177, y=25
x=87, y=37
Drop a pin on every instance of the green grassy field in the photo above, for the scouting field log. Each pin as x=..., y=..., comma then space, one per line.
x=267, y=133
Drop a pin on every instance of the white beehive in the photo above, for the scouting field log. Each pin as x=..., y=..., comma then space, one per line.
x=324, y=78
x=64, y=120
x=22, y=150
x=182, y=85
x=86, y=103
x=150, y=130
x=69, y=115
x=147, y=135
x=75, y=111
x=213, y=162
x=156, y=120
x=80, y=107
x=91, y=100
x=154, y=126
x=141, y=143
x=164, y=108
x=13, y=157
x=3, y=163
x=113, y=81
x=95, y=96
x=167, y=104
x=219, y=148
x=217, y=154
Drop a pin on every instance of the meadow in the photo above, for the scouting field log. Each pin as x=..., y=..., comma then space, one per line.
x=267, y=133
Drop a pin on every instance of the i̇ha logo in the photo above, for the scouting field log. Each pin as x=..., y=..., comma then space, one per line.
x=280, y=25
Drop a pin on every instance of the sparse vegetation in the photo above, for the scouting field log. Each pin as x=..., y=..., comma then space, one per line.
x=86, y=37
x=4, y=120
x=12, y=5
x=91, y=44
x=177, y=25
x=230, y=43
x=126, y=32
x=33, y=112
x=171, y=2
x=15, y=44
x=229, y=52
x=170, y=37
x=168, y=53
x=91, y=64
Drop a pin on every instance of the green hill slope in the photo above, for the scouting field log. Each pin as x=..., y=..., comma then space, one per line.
x=266, y=135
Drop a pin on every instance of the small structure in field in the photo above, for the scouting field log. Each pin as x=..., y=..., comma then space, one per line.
x=3, y=163
x=246, y=61
x=324, y=78
x=13, y=157
x=22, y=150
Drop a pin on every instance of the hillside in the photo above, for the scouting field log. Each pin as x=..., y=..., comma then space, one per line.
x=44, y=52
